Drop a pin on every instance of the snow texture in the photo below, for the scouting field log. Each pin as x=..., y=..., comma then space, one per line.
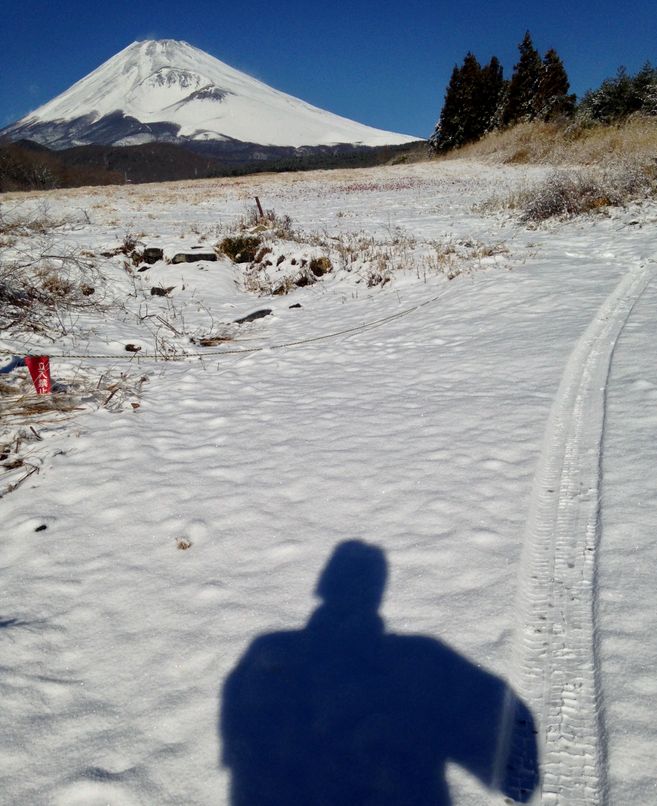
x=487, y=440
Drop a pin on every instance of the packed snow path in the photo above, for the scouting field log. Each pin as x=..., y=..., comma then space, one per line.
x=557, y=667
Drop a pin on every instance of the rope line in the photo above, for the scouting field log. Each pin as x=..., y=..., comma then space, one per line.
x=139, y=356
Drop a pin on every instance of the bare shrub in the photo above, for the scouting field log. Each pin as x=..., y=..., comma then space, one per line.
x=39, y=294
x=564, y=195
x=379, y=274
x=320, y=266
x=262, y=254
x=568, y=194
x=256, y=281
x=278, y=225
x=54, y=283
x=17, y=220
x=240, y=248
x=283, y=286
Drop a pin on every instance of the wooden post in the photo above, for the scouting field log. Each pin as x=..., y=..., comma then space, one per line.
x=260, y=210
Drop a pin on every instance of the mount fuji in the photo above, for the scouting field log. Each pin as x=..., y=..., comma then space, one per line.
x=169, y=91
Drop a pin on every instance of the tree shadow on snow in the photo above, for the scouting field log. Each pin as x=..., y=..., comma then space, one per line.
x=342, y=713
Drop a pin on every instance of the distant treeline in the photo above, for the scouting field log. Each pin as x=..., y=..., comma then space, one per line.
x=29, y=166
x=26, y=165
x=479, y=99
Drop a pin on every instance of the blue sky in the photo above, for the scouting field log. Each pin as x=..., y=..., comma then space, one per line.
x=381, y=63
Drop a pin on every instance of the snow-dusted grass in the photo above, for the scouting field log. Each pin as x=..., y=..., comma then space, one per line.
x=577, y=191
x=567, y=143
x=412, y=414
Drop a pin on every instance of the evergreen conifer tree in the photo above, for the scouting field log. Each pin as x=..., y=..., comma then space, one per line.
x=492, y=92
x=471, y=124
x=645, y=89
x=471, y=104
x=524, y=84
x=552, y=98
x=458, y=118
x=614, y=99
x=446, y=133
x=617, y=98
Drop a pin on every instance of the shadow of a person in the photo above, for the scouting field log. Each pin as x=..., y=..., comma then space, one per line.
x=342, y=713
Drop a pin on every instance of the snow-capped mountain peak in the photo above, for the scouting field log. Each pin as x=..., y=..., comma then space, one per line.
x=170, y=90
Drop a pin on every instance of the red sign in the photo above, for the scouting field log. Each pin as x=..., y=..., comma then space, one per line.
x=39, y=366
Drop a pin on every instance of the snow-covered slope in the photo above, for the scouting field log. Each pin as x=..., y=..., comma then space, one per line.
x=198, y=96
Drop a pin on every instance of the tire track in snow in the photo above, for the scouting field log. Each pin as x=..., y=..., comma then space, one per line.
x=555, y=658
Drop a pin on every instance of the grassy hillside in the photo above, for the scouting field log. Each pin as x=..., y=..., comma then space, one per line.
x=571, y=143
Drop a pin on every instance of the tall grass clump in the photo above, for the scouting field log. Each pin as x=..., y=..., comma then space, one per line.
x=564, y=194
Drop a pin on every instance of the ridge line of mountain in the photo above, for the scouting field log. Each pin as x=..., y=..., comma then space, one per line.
x=169, y=91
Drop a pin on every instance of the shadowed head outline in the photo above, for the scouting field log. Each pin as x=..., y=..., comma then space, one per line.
x=354, y=578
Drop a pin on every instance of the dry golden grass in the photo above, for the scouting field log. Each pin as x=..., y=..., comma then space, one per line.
x=538, y=142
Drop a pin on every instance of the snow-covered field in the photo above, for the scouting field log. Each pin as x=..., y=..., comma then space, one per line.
x=473, y=397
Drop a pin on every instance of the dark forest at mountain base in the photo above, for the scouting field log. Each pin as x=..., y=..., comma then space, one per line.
x=26, y=165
